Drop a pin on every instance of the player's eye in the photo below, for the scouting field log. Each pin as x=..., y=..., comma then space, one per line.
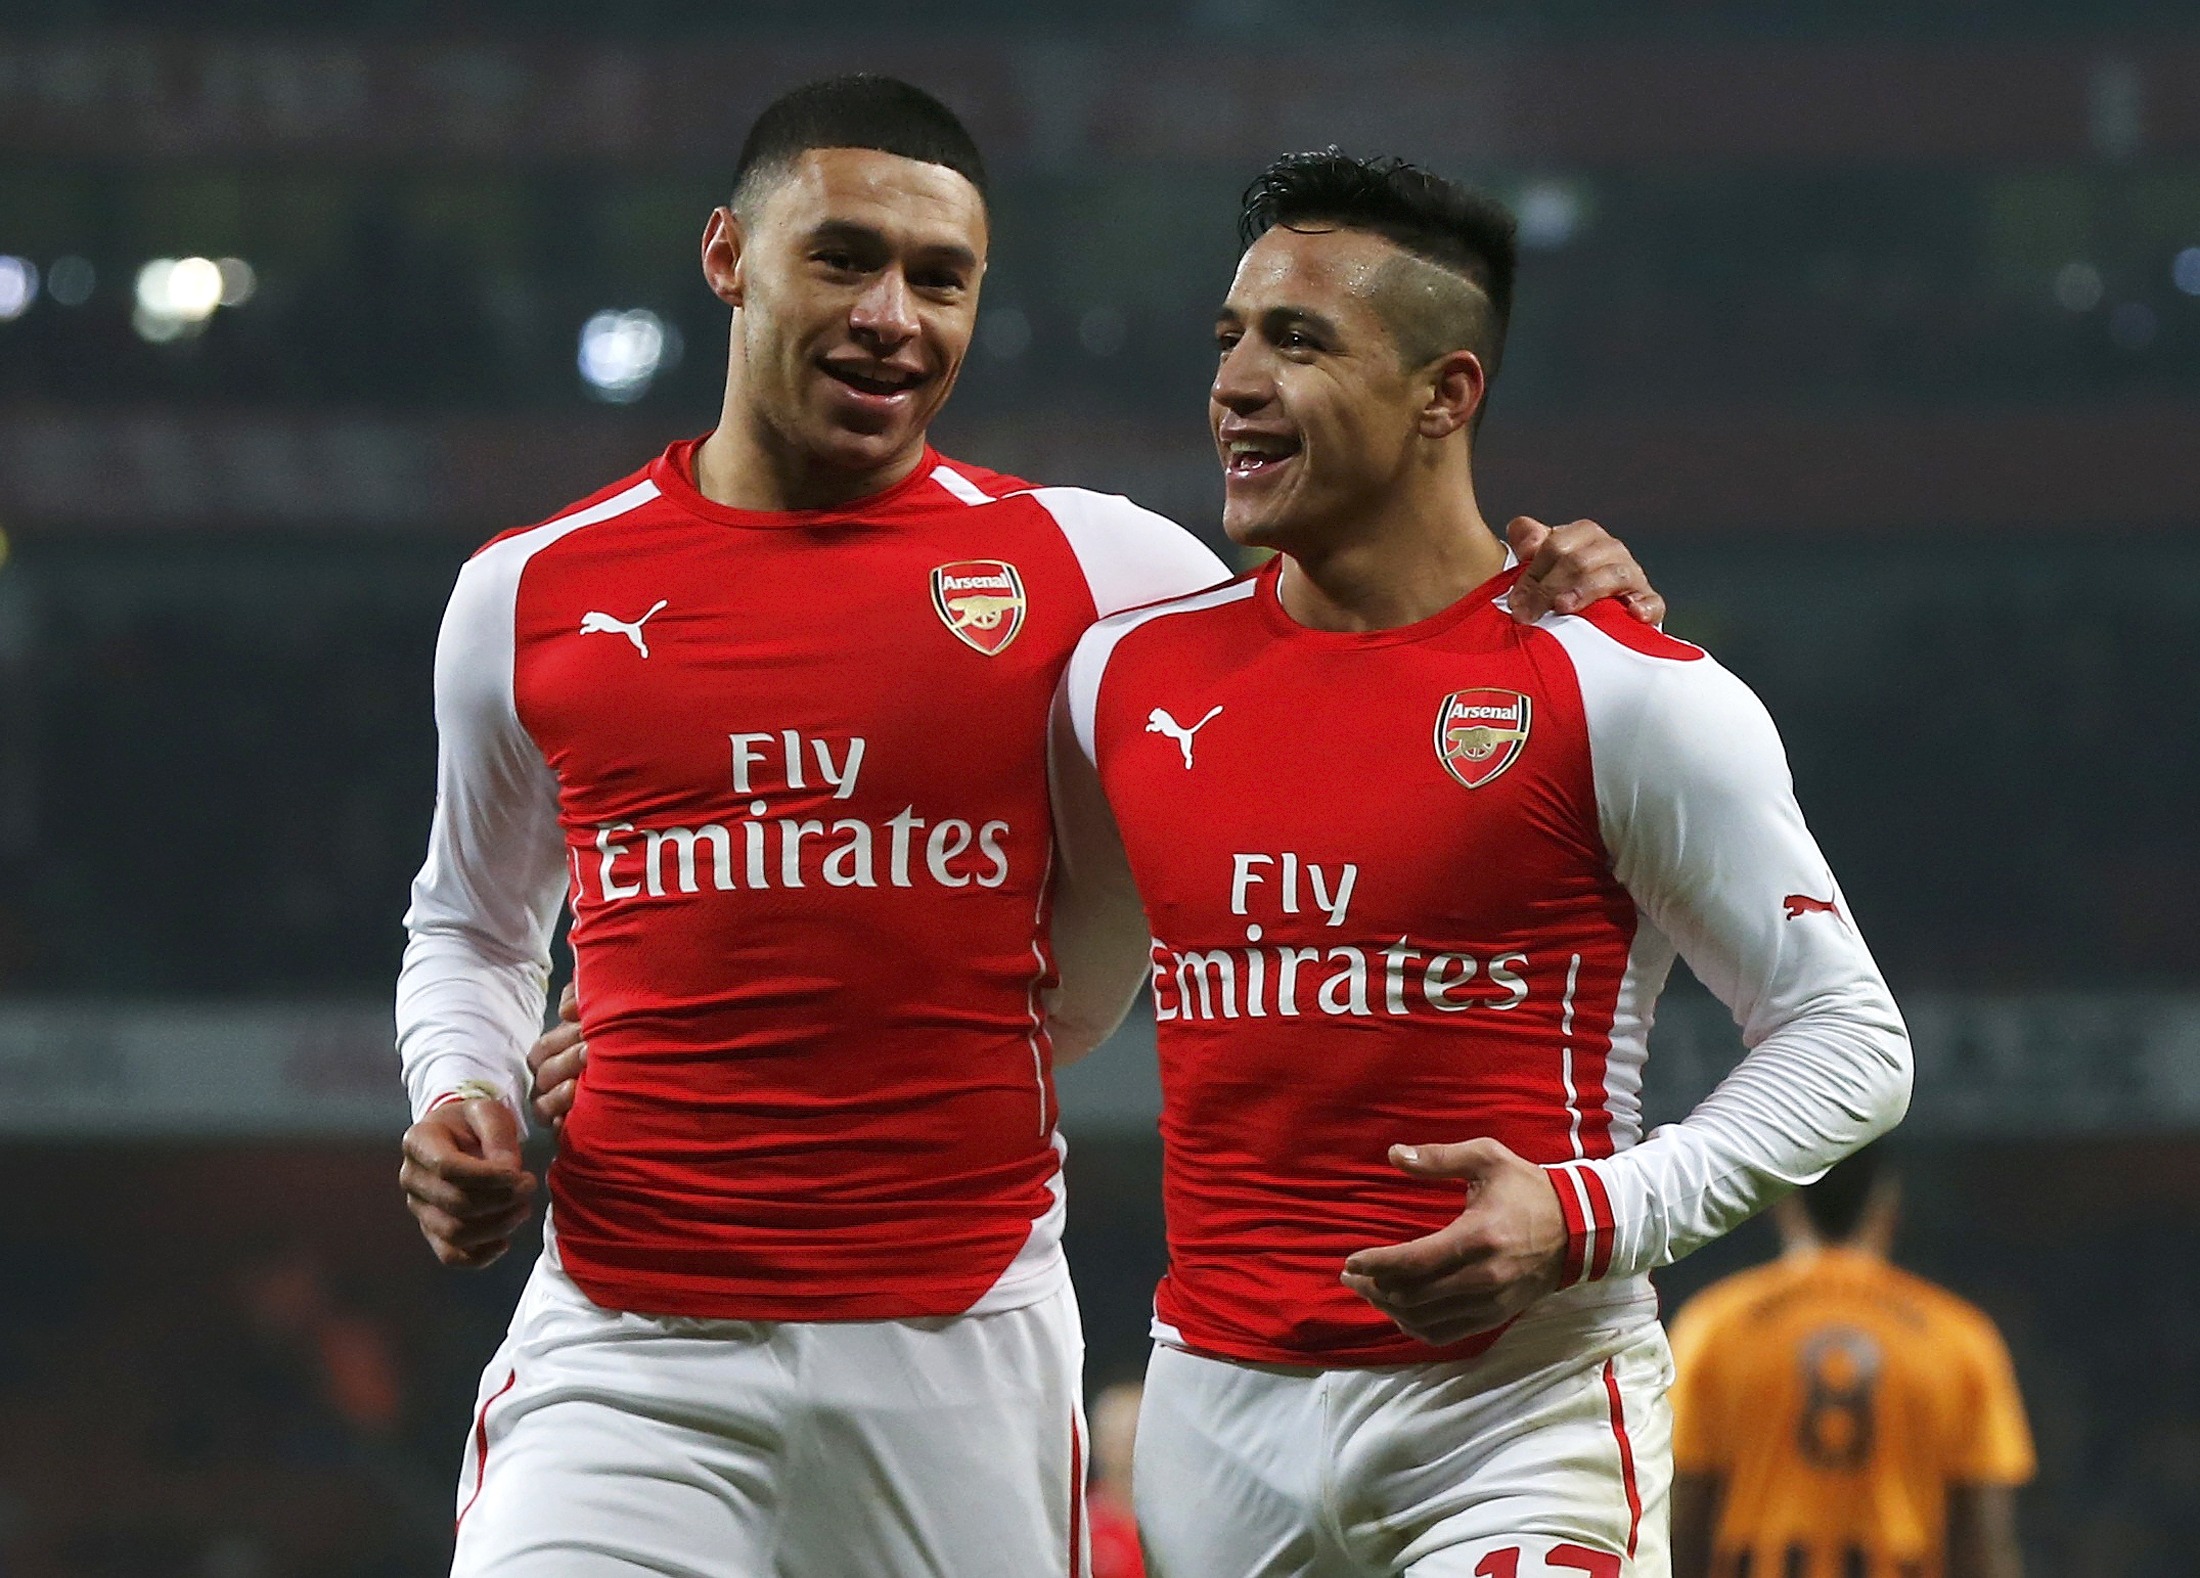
x=839, y=262
x=1226, y=341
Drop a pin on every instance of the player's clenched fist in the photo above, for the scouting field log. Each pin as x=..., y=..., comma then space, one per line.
x=555, y=1062
x=464, y=1181
x=1506, y=1249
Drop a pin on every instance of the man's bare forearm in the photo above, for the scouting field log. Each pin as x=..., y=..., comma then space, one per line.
x=1696, y=1499
x=1982, y=1532
x=1101, y=947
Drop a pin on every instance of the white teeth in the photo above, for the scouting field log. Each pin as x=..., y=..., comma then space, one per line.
x=876, y=383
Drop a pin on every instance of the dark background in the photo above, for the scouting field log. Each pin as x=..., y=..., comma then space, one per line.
x=1873, y=327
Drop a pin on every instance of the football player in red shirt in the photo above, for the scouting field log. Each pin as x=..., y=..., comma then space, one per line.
x=1415, y=873
x=771, y=715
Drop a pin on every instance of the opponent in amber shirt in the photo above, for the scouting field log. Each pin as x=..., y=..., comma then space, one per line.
x=1836, y=1402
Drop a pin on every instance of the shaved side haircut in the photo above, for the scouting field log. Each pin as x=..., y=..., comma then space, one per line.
x=1451, y=291
x=859, y=111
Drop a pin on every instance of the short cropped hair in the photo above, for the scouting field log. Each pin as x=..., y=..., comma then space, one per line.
x=859, y=111
x=1837, y=1202
x=1460, y=231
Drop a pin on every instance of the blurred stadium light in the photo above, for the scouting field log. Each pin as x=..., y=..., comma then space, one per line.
x=18, y=286
x=622, y=352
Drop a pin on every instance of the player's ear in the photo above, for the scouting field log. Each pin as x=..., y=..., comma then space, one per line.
x=725, y=245
x=1456, y=387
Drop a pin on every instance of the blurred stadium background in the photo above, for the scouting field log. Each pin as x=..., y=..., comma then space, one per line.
x=1873, y=325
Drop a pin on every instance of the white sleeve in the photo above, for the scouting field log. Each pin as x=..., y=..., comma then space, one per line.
x=1698, y=812
x=485, y=905
x=1130, y=555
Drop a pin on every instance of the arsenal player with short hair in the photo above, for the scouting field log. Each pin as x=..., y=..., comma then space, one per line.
x=1415, y=873
x=770, y=714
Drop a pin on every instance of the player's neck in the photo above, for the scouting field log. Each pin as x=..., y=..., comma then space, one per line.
x=1860, y=1247
x=1415, y=554
x=745, y=464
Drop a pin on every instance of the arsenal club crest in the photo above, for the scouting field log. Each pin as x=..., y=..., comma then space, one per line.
x=1480, y=733
x=981, y=601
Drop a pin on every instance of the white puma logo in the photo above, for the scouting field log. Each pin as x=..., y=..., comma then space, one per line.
x=600, y=624
x=1159, y=722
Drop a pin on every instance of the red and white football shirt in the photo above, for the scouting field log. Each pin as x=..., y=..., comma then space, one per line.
x=790, y=769
x=1424, y=885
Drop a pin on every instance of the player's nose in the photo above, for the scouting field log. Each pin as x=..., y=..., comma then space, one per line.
x=885, y=312
x=1242, y=384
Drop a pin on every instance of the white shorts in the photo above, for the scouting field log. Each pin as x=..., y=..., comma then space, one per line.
x=1550, y=1456
x=607, y=1443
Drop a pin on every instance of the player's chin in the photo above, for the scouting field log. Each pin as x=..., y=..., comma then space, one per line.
x=1264, y=514
x=868, y=447
x=1263, y=528
x=1252, y=523
x=864, y=440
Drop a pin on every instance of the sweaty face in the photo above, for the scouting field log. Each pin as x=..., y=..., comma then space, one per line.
x=1313, y=414
x=860, y=290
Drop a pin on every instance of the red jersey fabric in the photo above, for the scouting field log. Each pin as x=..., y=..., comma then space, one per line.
x=796, y=774
x=1431, y=973
x=1420, y=885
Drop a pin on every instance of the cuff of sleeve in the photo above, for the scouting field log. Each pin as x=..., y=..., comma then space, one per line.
x=445, y=1079
x=467, y=1090
x=1587, y=1208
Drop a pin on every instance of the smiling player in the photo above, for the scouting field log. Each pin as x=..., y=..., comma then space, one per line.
x=771, y=714
x=1417, y=876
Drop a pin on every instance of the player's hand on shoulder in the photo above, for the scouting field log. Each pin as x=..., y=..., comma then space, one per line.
x=1506, y=1249
x=1569, y=567
x=464, y=1180
x=555, y=1062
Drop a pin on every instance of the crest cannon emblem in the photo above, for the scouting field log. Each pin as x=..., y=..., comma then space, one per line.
x=1480, y=733
x=981, y=601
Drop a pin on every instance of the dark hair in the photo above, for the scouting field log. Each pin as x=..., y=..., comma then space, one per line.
x=860, y=111
x=1836, y=1203
x=1422, y=213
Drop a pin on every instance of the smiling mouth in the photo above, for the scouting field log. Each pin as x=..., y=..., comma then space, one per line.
x=1248, y=458
x=875, y=384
